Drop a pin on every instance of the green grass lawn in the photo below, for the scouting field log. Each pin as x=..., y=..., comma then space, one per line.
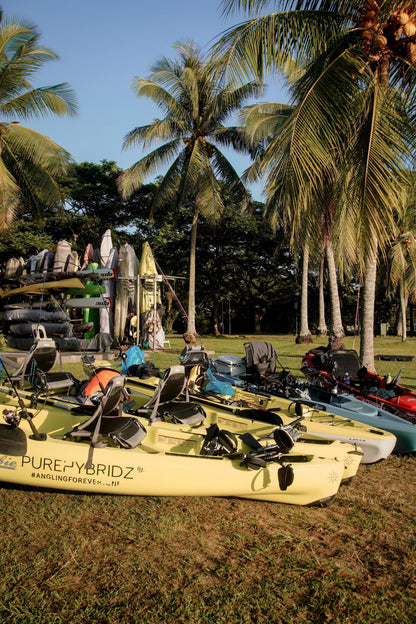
x=98, y=559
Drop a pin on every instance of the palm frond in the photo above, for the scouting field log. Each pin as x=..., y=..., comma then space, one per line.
x=162, y=98
x=58, y=100
x=159, y=130
x=30, y=163
x=269, y=43
x=132, y=178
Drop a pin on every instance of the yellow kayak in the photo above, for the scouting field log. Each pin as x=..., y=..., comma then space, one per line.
x=46, y=447
x=376, y=444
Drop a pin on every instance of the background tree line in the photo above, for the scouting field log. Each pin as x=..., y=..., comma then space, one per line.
x=248, y=279
x=336, y=164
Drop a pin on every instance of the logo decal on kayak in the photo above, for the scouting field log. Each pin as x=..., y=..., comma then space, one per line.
x=58, y=466
x=7, y=462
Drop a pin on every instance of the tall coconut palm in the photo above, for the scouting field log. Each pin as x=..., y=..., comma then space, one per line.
x=29, y=161
x=355, y=98
x=196, y=103
x=304, y=335
x=402, y=256
x=322, y=326
x=306, y=214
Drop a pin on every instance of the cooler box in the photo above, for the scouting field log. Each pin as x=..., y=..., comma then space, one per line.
x=230, y=365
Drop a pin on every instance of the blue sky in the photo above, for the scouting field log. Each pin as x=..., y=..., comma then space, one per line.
x=102, y=46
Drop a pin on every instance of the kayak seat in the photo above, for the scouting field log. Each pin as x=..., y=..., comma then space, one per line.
x=260, y=357
x=89, y=391
x=165, y=403
x=41, y=358
x=182, y=412
x=108, y=422
x=126, y=431
x=192, y=356
x=196, y=363
x=344, y=361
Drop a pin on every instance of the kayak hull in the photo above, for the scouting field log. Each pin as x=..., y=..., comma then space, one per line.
x=375, y=444
x=350, y=407
x=166, y=463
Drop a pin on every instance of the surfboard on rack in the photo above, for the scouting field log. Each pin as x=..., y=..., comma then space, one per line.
x=150, y=325
x=88, y=256
x=127, y=272
x=150, y=281
x=62, y=256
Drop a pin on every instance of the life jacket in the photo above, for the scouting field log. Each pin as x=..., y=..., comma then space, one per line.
x=91, y=390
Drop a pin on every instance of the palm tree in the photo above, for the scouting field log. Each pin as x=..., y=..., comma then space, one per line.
x=29, y=161
x=402, y=256
x=304, y=335
x=196, y=103
x=355, y=101
x=322, y=326
x=305, y=214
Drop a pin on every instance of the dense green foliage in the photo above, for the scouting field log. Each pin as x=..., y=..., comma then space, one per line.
x=248, y=279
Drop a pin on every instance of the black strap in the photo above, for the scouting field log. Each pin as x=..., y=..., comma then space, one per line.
x=219, y=442
x=251, y=441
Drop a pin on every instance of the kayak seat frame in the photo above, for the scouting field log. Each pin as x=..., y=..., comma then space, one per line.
x=41, y=358
x=108, y=421
x=165, y=403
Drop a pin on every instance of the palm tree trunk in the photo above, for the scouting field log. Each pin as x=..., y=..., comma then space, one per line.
x=322, y=328
x=367, y=312
x=258, y=317
x=403, y=310
x=192, y=273
x=305, y=335
x=336, y=334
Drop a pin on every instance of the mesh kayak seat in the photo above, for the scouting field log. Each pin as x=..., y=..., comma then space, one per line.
x=41, y=358
x=108, y=421
x=196, y=362
x=342, y=361
x=165, y=403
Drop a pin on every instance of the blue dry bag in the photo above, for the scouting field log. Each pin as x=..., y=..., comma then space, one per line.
x=217, y=386
x=134, y=356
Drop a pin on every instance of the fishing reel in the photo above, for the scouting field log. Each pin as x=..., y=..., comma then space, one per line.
x=11, y=417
